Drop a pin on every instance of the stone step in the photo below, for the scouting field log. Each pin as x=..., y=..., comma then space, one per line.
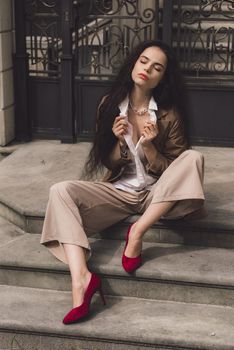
x=27, y=174
x=218, y=233
x=213, y=231
x=2, y=157
x=188, y=232
x=169, y=272
x=39, y=164
x=184, y=231
x=31, y=319
x=9, y=233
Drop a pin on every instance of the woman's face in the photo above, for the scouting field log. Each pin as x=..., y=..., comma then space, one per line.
x=149, y=68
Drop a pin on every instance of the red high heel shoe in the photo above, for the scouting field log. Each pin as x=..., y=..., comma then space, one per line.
x=130, y=264
x=81, y=311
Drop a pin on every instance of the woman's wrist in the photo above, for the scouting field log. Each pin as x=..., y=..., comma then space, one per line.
x=149, y=150
x=147, y=144
x=122, y=143
x=123, y=149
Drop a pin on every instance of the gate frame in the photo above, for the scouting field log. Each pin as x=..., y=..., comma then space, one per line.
x=68, y=109
x=67, y=117
x=21, y=76
x=20, y=67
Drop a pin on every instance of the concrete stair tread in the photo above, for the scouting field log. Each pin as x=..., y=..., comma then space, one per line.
x=40, y=164
x=123, y=320
x=165, y=262
x=9, y=232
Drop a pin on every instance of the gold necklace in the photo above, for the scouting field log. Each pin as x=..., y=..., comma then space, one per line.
x=139, y=112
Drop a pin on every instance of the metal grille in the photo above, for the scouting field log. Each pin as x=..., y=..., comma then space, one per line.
x=203, y=36
x=106, y=30
x=43, y=34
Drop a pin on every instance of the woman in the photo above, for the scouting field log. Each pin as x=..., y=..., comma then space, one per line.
x=141, y=140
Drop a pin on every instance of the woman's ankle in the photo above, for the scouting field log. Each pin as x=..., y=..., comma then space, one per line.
x=79, y=287
x=136, y=231
x=134, y=246
x=81, y=280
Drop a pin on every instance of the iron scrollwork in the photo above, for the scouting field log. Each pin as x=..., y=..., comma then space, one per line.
x=223, y=7
x=204, y=37
x=106, y=31
x=131, y=7
x=43, y=40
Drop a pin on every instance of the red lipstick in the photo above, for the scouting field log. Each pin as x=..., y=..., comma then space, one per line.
x=143, y=76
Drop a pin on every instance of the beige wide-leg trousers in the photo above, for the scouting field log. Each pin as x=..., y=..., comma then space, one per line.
x=77, y=209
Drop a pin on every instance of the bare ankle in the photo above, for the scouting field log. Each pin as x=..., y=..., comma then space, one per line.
x=81, y=280
x=136, y=232
x=79, y=286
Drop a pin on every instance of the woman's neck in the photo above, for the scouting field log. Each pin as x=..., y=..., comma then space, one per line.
x=139, y=98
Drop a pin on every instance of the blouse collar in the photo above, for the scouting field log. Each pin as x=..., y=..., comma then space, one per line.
x=153, y=107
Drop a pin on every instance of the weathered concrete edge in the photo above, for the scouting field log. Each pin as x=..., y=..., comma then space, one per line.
x=12, y=216
x=156, y=290
x=34, y=223
x=115, y=275
x=100, y=341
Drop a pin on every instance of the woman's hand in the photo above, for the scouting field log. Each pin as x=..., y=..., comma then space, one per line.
x=120, y=128
x=150, y=131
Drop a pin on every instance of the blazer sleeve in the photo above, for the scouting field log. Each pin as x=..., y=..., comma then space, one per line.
x=174, y=145
x=116, y=160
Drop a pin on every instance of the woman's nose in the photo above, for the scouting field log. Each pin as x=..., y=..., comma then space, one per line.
x=147, y=69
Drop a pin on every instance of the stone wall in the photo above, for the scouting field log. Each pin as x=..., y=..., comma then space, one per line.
x=7, y=124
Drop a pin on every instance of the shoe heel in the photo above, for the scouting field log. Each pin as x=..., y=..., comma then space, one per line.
x=102, y=296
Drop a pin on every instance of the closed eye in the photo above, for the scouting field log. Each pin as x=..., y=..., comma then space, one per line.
x=158, y=69
x=143, y=61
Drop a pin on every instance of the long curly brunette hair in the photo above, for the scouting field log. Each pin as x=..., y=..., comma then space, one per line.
x=169, y=93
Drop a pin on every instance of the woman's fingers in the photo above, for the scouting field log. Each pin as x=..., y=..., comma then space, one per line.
x=119, y=123
x=120, y=126
x=120, y=120
x=151, y=129
x=120, y=130
x=119, y=117
x=152, y=126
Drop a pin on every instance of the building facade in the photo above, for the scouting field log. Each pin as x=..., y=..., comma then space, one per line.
x=67, y=52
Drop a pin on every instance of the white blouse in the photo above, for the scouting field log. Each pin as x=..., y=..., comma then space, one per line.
x=134, y=177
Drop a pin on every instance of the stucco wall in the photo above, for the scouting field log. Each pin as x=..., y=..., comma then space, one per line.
x=7, y=129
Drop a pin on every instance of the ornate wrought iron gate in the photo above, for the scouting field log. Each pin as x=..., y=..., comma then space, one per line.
x=105, y=31
x=203, y=38
x=67, y=53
